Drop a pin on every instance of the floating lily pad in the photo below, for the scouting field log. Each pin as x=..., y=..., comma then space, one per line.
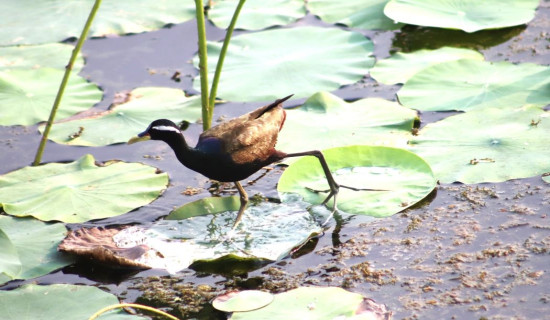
x=242, y=300
x=258, y=68
x=467, y=84
x=123, y=121
x=267, y=232
x=29, y=248
x=58, y=301
x=546, y=177
x=27, y=96
x=10, y=264
x=79, y=191
x=468, y=15
x=210, y=205
x=53, y=55
x=401, y=66
x=354, y=13
x=24, y=21
x=489, y=145
x=317, y=303
x=406, y=177
x=326, y=121
x=257, y=14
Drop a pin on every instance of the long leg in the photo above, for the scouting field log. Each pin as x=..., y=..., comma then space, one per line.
x=244, y=202
x=334, y=187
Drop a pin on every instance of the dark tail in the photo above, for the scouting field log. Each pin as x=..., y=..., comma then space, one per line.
x=274, y=104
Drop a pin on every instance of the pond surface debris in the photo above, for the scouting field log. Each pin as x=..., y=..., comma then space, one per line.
x=473, y=250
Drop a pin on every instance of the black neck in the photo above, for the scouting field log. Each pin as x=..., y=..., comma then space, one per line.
x=184, y=153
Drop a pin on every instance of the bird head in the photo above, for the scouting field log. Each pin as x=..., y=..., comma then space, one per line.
x=161, y=129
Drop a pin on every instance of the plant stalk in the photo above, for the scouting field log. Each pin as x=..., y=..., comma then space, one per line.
x=203, y=65
x=61, y=90
x=131, y=305
x=221, y=58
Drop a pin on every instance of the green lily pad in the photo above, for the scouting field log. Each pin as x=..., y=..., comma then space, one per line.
x=326, y=121
x=210, y=205
x=27, y=96
x=467, y=84
x=29, y=248
x=546, y=177
x=489, y=145
x=121, y=122
x=79, y=191
x=242, y=300
x=257, y=68
x=401, y=66
x=267, y=232
x=405, y=177
x=257, y=14
x=308, y=303
x=10, y=264
x=468, y=15
x=58, y=301
x=354, y=13
x=23, y=21
x=53, y=55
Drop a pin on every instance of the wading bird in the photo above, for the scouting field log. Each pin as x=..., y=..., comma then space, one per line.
x=235, y=149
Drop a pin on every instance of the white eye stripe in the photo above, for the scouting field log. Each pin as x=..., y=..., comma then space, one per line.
x=166, y=128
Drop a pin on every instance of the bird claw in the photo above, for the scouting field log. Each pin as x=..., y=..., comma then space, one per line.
x=327, y=199
x=317, y=191
x=361, y=189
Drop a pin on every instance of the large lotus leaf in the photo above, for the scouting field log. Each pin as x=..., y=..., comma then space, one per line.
x=27, y=96
x=318, y=303
x=353, y=13
x=123, y=121
x=326, y=121
x=79, y=191
x=267, y=231
x=10, y=264
x=468, y=15
x=34, y=244
x=31, y=22
x=53, y=55
x=404, y=177
x=467, y=84
x=259, y=68
x=58, y=301
x=257, y=14
x=401, y=66
x=489, y=145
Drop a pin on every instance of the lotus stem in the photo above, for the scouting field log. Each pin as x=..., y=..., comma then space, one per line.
x=203, y=66
x=131, y=305
x=68, y=69
x=223, y=52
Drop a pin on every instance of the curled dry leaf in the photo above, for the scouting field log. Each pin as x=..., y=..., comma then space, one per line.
x=372, y=310
x=97, y=244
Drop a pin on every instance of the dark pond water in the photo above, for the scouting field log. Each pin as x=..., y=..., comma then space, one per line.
x=466, y=252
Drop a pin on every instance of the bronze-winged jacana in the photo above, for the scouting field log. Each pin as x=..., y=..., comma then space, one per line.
x=235, y=149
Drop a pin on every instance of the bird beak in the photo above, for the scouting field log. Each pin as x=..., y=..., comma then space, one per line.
x=139, y=138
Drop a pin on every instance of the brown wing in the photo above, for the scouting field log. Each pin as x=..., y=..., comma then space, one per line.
x=251, y=136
